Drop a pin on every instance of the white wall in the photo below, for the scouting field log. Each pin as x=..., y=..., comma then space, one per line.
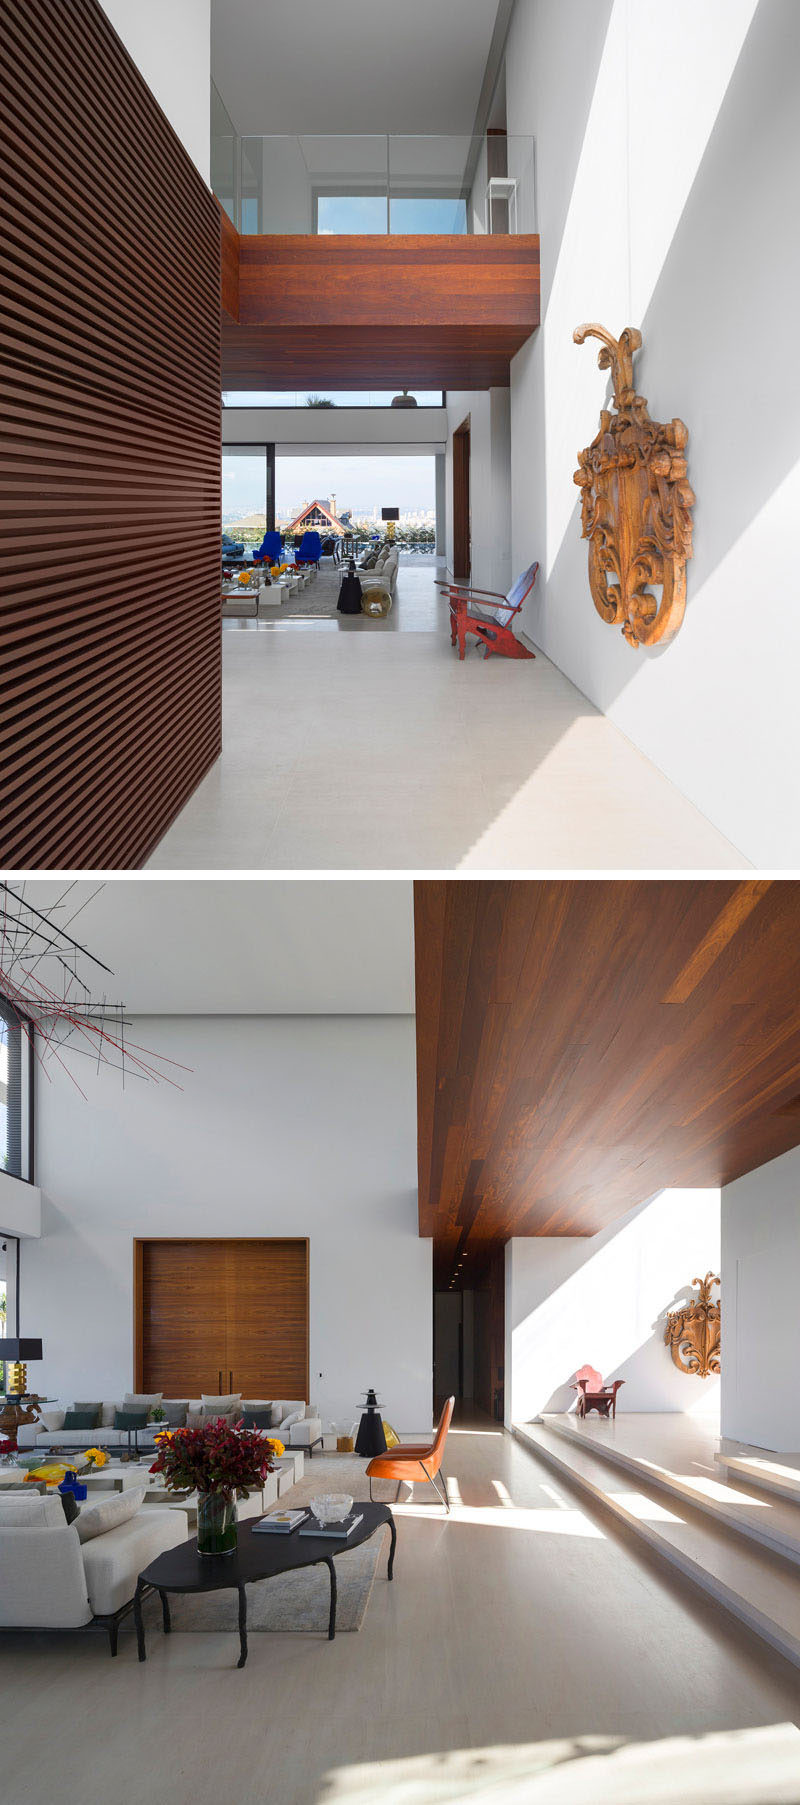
x=761, y=1286
x=602, y=1301
x=668, y=168
x=20, y=1204
x=296, y=1126
x=490, y=482
x=170, y=43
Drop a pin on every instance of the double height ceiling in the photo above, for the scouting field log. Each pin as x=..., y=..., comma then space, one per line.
x=583, y=1045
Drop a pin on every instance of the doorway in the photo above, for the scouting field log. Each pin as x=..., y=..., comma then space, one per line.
x=469, y=1341
x=221, y=1316
x=462, y=532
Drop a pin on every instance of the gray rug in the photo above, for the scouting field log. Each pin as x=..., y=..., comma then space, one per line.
x=299, y=1602
x=318, y=599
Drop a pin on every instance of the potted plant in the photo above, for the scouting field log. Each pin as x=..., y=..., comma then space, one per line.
x=221, y=1463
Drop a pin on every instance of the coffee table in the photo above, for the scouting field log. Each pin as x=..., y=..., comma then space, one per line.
x=256, y=1557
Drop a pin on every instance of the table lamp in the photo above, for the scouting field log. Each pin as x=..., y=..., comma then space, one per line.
x=15, y=1351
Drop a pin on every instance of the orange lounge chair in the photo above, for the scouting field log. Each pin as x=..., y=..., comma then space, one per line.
x=415, y=1460
x=494, y=631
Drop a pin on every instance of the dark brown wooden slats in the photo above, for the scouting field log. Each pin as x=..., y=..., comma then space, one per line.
x=215, y=1314
x=110, y=451
x=581, y=1045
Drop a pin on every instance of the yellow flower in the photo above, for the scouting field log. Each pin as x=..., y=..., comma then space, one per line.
x=276, y=1446
x=96, y=1457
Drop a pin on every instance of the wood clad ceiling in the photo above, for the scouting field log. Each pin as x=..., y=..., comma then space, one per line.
x=432, y=312
x=110, y=658
x=581, y=1045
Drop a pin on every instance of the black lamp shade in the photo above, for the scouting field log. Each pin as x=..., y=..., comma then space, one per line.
x=28, y=1348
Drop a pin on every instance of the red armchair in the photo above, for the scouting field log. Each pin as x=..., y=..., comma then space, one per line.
x=593, y=1394
x=493, y=630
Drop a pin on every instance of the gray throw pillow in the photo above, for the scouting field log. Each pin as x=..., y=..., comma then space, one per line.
x=95, y=1519
x=175, y=1410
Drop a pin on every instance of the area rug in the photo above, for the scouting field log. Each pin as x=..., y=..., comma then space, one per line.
x=300, y=1602
x=317, y=601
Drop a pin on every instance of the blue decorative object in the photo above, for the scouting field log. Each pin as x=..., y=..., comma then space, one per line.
x=70, y=1483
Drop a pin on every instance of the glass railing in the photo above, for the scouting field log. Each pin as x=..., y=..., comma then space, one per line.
x=373, y=183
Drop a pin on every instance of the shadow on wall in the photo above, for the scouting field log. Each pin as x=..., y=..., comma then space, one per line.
x=602, y=1301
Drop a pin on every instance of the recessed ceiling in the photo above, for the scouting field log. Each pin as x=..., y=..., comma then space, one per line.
x=250, y=947
x=583, y=1045
x=356, y=66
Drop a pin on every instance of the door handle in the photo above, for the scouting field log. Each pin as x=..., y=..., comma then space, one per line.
x=230, y=1380
x=219, y=1382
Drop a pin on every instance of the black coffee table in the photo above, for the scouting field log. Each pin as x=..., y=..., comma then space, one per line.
x=182, y=1569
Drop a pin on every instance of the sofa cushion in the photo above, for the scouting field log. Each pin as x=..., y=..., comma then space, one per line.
x=30, y=1510
x=118, y=1507
x=95, y=1406
x=175, y=1412
x=83, y=1419
x=221, y=1403
x=130, y=1419
x=230, y=1417
x=80, y=1438
x=112, y=1563
x=51, y=1420
x=141, y=1400
x=258, y=1419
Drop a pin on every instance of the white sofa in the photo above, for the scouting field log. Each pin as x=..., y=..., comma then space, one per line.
x=294, y=1422
x=50, y=1580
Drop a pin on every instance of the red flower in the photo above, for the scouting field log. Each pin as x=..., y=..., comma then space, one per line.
x=216, y=1458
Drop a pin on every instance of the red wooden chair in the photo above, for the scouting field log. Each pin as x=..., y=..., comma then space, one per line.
x=593, y=1394
x=493, y=630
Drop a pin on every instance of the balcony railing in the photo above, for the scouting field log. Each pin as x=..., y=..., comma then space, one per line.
x=375, y=184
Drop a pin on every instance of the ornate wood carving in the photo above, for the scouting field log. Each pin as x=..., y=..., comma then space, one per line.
x=693, y=1332
x=636, y=504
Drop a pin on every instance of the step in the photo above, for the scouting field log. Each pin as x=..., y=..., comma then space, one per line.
x=756, y=1585
x=773, y=1522
x=767, y=1474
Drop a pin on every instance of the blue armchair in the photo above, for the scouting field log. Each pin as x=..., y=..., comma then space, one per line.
x=269, y=551
x=310, y=549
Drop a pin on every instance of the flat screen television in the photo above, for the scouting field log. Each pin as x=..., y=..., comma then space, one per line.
x=390, y=513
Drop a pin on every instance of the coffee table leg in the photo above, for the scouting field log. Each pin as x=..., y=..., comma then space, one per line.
x=242, y=1626
x=332, y=1618
x=167, y=1620
x=392, y=1549
x=137, y=1618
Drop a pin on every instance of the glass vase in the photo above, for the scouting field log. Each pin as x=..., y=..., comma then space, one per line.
x=216, y=1523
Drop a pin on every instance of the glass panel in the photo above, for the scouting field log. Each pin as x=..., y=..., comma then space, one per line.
x=224, y=155
x=351, y=213
x=15, y=1100
x=427, y=213
x=244, y=494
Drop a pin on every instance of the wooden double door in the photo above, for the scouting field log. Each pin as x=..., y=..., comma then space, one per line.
x=220, y=1316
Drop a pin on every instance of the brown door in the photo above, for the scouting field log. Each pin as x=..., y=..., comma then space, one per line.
x=267, y=1322
x=213, y=1315
x=462, y=551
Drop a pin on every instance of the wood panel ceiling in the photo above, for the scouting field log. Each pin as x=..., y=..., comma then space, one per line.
x=430, y=311
x=581, y=1045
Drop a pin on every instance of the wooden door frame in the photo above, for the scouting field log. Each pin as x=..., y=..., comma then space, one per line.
x=462, y=537
x=141, y=1242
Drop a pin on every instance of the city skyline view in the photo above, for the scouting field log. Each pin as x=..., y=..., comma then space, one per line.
x=359, y=484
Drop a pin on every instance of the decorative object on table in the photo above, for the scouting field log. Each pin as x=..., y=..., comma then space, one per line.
x=338, y=1528
x=221, y=1463
x=470, y=613
x=636, y=504
x=96, y=1458
x=8, y=1450
x=693, y=1333
x=391, y=516
x=350, y=591
x=593, y=1394
x=416, y=1461
x=390, y=1435
x=370, y=1438
x=376, y=603
x=71, y=1483
x=15, y=1352
x=158, y=1414
x=332, y=1507
x=48, y=973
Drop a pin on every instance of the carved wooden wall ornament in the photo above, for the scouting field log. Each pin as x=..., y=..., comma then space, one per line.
x=693, y=1332
x=636, y=504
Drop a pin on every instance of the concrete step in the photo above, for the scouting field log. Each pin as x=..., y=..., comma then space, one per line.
x=760, y=1587
x=773, y=1521
x=763, y=1473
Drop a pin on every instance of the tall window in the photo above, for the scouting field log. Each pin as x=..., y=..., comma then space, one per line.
x=16, y=1093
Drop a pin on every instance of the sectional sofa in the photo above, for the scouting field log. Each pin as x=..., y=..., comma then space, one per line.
x=294, y=1422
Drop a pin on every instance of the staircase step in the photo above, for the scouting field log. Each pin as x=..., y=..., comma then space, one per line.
x=763, y=1474
x=772, y=1523
x=757, y=1585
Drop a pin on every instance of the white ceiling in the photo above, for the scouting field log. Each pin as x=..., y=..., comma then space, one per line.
x=352, y=66
x=249, y=947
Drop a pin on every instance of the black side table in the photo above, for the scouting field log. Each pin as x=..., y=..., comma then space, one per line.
x=257, y=1556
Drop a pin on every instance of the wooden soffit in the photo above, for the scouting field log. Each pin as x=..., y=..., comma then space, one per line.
x=363, y=311
x=581, y=1045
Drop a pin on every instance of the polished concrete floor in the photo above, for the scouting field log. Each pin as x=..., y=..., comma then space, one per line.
x=366, y=745
x=526, y=1653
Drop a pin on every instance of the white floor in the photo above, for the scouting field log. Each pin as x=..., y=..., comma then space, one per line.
x=367, y=745
x=527, y=1653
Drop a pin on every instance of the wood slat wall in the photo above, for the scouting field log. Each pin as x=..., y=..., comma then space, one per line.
x=110, y=456
x=217, y=1315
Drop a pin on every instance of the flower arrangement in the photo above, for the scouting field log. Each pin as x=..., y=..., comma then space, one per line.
x=96, y=1458
x=221, y=1463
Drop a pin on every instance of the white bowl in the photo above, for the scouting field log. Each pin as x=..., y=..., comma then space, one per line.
x=332, y=1507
